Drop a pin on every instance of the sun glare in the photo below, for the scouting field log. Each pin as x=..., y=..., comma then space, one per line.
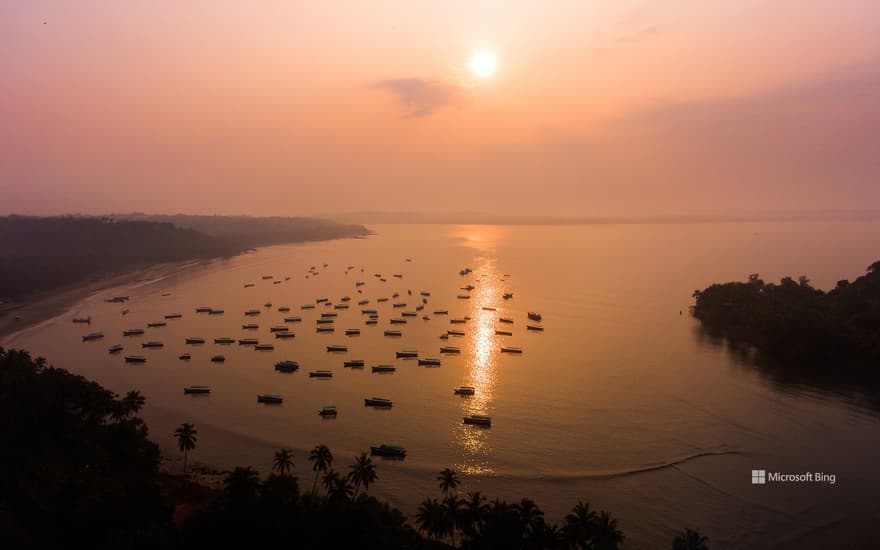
x=483, y=64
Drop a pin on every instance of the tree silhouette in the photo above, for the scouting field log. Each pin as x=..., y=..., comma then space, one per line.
x=578, y=528
x=321, y=459
x=363, y=472
x=283, y=462
x=690, y=540
x=186, y=441
x=430, y=517
x=449, y=481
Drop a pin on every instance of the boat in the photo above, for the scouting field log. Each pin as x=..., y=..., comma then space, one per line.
x=345, y=299
x=464, y=296
x=424, y=293
x=252, y=312
x=323, y=321
x=326, y=329
x=506, y=349
x=329, y=315
x=269, y=398
x=250, y=326
x=276, y=282
x=428, y=362
x=377, y=402
x=115, y=348
x=203, y=309
x=340, y=306
x=336, y=347
x=195, y=390
x=354, y=364
x=152, y=345
x=363, y=302
x=487, y=308
x=398, y=321
x=507, y=295
x=538, y=328
x=398, y=305
x=503, y=333
x=267, y=304
x=441, y=312
x=409, y=314
x=292, y=319
x=117, y=299
x=371, y=322
x=464, y=390
x=425, y=318
x=133, y=332
x=218, y=358
x=384, y=368
x=286, y=366
x=86, y=320
x=535, y=316
x=383, y=299
x=216, y=312
x=450, y=349
x=157, y=324
x=327, y=410
x=478, y=420
x=407, y=354
x=444, y=336
x=185, y=357
x=505, y=320
x=307, y=306
x=264, y=347
x=320, y=300
x=392, y=451
x=320, y=374
x=267, y=277
x=465, y=271
x=285, y=334
x=468, y=288
x=283, y=309
x=173, y=315
x=248, y=342
x=195, y=340
x=224, y=340
x=457, y=321
x=455, y=332
x=279, y=328
x=398, y=275
x=248, y=285
x=135, y=359
x=125, y=311
x=359, y=283
x=352, y=331
x=369, y=312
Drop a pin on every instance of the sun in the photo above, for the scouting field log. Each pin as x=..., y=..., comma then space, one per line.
x=483, y=64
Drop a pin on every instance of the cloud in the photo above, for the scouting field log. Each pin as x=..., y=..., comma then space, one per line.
x=420, y=97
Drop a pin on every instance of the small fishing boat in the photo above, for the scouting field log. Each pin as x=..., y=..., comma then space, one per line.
x=115, y=348
x=286, y=366
x=352, y=331
x=324, y=321
x=369, y=312
x=384, y=368
x=320, y=374
x=321, y=300
x=157, y=324
x=267, y=304
x=133, y=332
x=407, y=354
x=248, y=285
x=464, y=390
x=503, y=333
x=478, y=420
x=218, y=358
x=487, y=308
x=506, y=349
x=424, y=293
x=399, y=275
x=450, y=349
x=252, y=312
x=507, y=295
x=336, y=347
x=86, y=320
x=248, y=342
x=363, y=302
x=377, y=402
x=216, y=312
x=284, y=335
x=293, y=319
x=135, y=359
x=457, y=321
x=195, y=340
x=307, y=306
x=173, y=315
x=383, y=299
x=327, y=410
x=283, y=309
x=537, y=328
x=326, y=329
x=279, y=328
x=535, y=316
x=393, y=332
x=329, y=315
x=371, y=322
x=359, y=283
x=267, y=277
x=250, y=326
x=152, y=345
x=203, y=309
x=264, y=347
x=425, y=318
x=225, y=340
x=455, y=332
x=444, y=336
x=196, y=390
x=505, y=320
x=345, y=299
x=428, y=362
x=398, y=321
x=392, y=451
x=409, y=314
x=185, y=357
x=270, y=398
x=341, y=306
x=398, y=305
x=441, y=312
x=354, y=363
x=464, y=296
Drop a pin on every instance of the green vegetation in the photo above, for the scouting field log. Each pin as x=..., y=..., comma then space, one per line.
x=794, y=323
x=85, y=475
x=38, y=254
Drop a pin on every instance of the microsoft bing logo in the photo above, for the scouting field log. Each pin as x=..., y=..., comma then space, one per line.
x=759, y=477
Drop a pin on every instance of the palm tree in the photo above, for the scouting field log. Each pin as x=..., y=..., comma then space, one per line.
x=532, y=518
x=578, y=528
x=283, y=461
x=321, y=459
x=330, y=480
x=186, y=441
x=690, y=540
x=453, y=510
x=475, y=511
x=430, y=518
x=363, y=472
x=606, y=535
x=242, y=485
x=128, y=406
x=448, y=479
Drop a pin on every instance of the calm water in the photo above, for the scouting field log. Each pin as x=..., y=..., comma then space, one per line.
x=620, y=401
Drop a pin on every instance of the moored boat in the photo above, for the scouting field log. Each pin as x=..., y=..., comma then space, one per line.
x=377, y=402
x=326, y=329
x=196, y=390
x=115, y=348
x=248, y=342
x=455, y=332
x=195, y=340
x=535, y=316
x=270, y=398
x=173, y=315
x=537, y=328
x=503, y=333
x=264, y=347
x=352, y=331
x=510, y=349
x=398, y=321
x=293, y=319
x=279, y=328
x=203, y=309
x=133, y=332
x=152, y=344
x=429, y=362
x=285, y=334
x=464, y=390
x=157, y=324
x=505, y=320
x=441, y=312
x=478, y=420
x=252, y=312
x=393, y=451
x=93, y=336
x=354, y=363
x=250, y=326
x=393, y=332
x=336, y=347
x=320, y=374
x=384, y=368
x=407, y=354
x=218, y=358
x=135, y=359
x=185, y=357
x=216, y=312
x=450, y=349
x=286, y=366
x=86, y=320
x=224, y=340
x=327, y=410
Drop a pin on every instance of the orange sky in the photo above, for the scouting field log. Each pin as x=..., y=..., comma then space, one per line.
x=597, y=107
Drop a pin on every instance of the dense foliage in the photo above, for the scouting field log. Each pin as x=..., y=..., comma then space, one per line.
x=81, y=473
x=44, y=253
x=793, y=322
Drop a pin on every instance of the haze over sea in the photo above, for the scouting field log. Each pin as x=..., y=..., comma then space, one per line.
x=620, y=401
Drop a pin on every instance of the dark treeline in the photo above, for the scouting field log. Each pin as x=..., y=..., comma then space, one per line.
x=250, y=232
x=39, y=254
x=82, y=471
x=794, y=323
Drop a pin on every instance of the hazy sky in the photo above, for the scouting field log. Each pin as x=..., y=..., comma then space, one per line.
x=605, y=107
